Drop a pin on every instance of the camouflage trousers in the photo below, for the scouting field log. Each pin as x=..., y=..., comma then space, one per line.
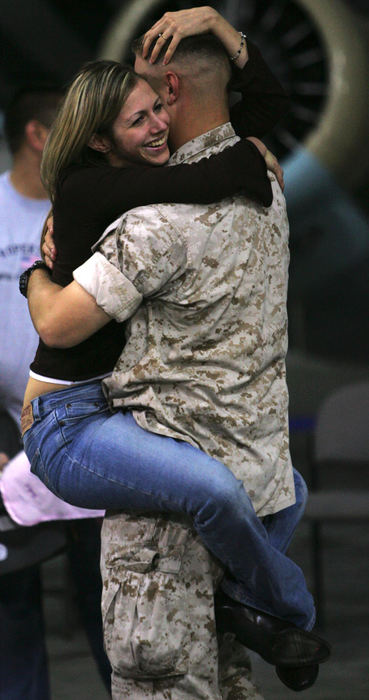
x=158, y=615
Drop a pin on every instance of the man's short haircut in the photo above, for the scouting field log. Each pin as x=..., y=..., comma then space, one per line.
x=205, y=46
x=38, y=102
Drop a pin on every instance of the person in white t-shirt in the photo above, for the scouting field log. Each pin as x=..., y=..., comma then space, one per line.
x=23, y=209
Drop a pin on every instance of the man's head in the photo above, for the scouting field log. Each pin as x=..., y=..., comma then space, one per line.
x=29, y=115
x=193, y=86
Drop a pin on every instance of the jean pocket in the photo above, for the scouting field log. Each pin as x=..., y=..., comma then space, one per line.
x=83, y=408
x=71, y=417
x=146, y=628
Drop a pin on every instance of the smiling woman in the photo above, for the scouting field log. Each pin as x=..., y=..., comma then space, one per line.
x=140, y=131
x=111, y=129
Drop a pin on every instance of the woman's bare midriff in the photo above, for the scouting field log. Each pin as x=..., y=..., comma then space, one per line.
x=35, y=388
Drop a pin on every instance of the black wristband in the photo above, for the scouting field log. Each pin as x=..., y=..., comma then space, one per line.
x=24, y=278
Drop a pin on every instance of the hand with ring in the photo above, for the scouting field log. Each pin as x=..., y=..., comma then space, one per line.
x=175, y=26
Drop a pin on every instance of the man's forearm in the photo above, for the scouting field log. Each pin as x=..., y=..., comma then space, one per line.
x=62, y=316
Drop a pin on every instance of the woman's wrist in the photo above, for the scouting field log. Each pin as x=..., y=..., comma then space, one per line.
x=231, y=39
x=25, y=276
x=259, y=145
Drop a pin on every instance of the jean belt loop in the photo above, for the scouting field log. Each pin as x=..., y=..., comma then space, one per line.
x=36, y=408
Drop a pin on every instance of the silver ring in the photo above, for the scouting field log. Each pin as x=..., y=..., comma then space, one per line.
x=159, y=35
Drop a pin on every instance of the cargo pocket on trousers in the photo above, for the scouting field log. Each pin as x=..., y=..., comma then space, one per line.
x=146, y=629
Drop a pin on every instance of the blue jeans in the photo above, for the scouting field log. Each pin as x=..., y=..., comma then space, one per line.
x=92, y=458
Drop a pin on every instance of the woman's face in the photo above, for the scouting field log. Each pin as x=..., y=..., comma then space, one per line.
x=140, y=132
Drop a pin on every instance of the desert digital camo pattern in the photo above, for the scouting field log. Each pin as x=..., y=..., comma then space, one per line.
x=158, y=615
x=205, y=357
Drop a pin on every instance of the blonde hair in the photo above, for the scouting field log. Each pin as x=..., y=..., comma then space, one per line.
x=91, y=105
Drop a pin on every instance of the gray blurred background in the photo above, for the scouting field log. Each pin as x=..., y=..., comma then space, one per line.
x=319, y=49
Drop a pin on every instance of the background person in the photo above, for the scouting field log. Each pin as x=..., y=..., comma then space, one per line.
x=23, y=208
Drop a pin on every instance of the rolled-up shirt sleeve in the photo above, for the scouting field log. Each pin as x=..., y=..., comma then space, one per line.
x=137, y=260
x=113, y=292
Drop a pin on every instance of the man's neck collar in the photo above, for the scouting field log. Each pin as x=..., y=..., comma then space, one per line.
x=202, y=142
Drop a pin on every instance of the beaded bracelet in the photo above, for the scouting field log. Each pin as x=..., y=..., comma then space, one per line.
x=242, y=44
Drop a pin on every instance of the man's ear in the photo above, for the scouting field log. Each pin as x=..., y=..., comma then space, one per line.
x=99, y=143
x=36, y=135
x=172, y=85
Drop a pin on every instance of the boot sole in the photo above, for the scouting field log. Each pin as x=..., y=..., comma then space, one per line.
x=294, y=647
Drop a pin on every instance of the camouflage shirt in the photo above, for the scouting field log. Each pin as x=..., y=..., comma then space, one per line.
x=204, y=361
